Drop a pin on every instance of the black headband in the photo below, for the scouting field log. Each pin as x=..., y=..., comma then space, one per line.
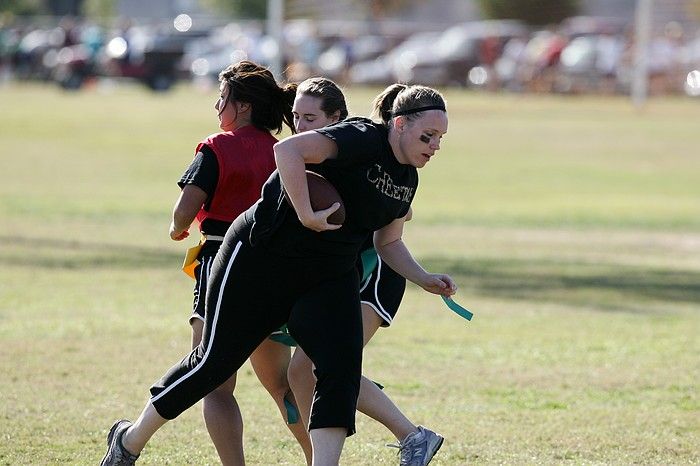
x=419, y=109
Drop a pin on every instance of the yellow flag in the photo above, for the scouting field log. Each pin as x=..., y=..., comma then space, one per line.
x=190, y=262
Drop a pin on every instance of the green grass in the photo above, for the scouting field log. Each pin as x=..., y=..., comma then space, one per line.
x=572, y=226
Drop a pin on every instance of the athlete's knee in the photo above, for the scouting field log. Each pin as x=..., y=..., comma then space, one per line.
x=300, y=371
x=277, y=388
x=221, y=409
x=220, y=397
x=224, y=390
x=216, y=399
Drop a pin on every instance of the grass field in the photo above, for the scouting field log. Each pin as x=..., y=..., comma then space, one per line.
x=572, y=226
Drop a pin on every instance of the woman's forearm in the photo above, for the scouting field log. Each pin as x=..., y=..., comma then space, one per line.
x=292, y=170
x=291, y=156
x=188, y=204
x=399, y=258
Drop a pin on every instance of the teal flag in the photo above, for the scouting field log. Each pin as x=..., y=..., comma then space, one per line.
x=457, y=308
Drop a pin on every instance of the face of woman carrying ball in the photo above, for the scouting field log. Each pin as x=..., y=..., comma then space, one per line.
x=419, y=139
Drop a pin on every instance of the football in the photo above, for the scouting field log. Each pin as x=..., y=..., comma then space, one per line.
x=322, y=195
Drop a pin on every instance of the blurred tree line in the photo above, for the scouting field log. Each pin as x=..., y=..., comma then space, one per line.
x=89, y=8
x=107, y=8
x=258, y=8
x=238, y=8
x=21, y=7
x=694, y=9
x=536, y=12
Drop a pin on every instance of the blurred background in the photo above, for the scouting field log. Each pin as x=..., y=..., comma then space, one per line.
x=543, y=46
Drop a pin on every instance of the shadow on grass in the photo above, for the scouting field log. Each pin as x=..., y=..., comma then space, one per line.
x=607, y=286
x=51, y=253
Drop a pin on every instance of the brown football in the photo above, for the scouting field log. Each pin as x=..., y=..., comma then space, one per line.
x=322, y=195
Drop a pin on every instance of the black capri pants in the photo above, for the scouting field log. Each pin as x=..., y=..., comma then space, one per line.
x=251, y=293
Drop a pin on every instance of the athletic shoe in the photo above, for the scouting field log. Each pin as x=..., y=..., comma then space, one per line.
x=116, y=454
x=419, y=447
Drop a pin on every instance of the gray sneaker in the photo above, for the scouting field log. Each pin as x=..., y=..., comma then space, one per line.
x=419, y=447
x=116, y=454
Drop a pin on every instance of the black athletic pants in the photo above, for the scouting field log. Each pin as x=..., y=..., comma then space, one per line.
x=251, y=293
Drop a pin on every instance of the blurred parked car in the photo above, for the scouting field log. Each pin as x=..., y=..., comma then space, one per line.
x=335, y=61
x=459, y=49
x=206, y=57
x=506, y=66
x=577, y=26
x=74, y=65
x=36, y=53
x=589, y=63
x=590, y=59
x=537, y=68
x=396, y=64
x=147, y=55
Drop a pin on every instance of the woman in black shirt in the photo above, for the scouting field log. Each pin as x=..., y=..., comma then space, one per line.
x=281, y=264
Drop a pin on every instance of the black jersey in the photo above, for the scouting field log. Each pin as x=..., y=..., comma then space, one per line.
x=375, y=188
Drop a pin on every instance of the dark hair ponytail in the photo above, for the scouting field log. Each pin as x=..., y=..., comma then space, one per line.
x=289, y=92
x=401, y=98
x=271, y=105
x=381, y=105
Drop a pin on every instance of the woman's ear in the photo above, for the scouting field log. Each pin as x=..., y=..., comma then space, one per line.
x=400, y=123
x=335, y=117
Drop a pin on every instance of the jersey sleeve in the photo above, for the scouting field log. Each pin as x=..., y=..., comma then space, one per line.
x=203, y=172
x=404, y=211
x=358, y=141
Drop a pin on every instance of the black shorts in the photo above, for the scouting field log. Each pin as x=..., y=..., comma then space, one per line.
x=383, y=291
x=201, y=276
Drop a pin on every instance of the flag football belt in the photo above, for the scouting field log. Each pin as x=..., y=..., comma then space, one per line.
x=191, y=261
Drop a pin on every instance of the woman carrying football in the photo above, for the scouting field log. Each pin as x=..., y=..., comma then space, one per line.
x=282, y=264
x=319, y=102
